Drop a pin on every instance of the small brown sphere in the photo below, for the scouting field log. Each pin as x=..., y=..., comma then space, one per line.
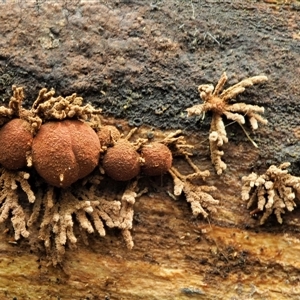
x=65, y=151
x=121, y=162
x=108, y=134
x=158, y=159
x=15, y=142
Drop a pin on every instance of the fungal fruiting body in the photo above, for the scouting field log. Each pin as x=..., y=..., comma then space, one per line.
x=15, y=146
x=273, y=192
x=121, y=162
x=62, y=140
x=157, y=159
x=199, y=196
x=65, y=151
x=63, y=147
x=218, y=103
x=11, y=182
x=108, y=135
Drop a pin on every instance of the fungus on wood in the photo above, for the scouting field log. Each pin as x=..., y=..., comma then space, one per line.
x=16, y=139
x=219, y=104
x=121, y=162
x=274, y=192
x=108, y=135
x=157, y=159
x=65, y=151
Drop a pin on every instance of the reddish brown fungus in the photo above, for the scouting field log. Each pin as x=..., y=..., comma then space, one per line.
x=121, y=162
x=157, y=159
x=65, y=151
x=15, y=144
x=108, y=135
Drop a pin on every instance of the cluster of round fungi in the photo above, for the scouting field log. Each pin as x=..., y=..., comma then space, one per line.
x=64, y=150
x=122, y=162
x=61, y=150
x=58, y=141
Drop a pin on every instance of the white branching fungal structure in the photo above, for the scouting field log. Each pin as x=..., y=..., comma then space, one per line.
x=57, y=212
x=10, y=185
x=273, y=192
x=51, y=188
x=199, y=196
x=218, y=103
x=60, y=208
x=56, y=209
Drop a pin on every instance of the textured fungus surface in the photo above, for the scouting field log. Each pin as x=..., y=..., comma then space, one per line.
x=157, y=159
x=274, y=192
x=15, y=144
x=121, y=162
x=108, y=135
x=65, y=151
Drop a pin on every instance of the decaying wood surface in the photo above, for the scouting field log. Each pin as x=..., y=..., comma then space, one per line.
x=142, y=61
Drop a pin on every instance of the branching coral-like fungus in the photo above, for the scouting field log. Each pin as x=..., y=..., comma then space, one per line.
x=14, y=109
x=273, y=192
x=199, y=196
x=11, y=183
x=47, y=107
x=91, y=210
x=60, y=140
x=218, y=103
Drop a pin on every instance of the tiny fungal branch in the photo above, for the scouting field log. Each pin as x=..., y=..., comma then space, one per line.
x=274, y=192
x=217, y=102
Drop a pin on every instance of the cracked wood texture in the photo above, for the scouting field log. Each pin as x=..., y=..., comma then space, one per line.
x=141, y=61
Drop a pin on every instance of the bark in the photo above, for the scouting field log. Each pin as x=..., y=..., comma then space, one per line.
x=142, y=62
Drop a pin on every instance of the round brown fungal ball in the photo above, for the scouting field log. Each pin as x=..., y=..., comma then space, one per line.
x=108, y=134
x=65, y=151
x=121, y=162
x=157, y=159
x=15, y=144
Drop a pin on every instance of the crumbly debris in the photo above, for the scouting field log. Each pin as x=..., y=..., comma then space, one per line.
x=11, y=182
x=274, y=192
x=218, y=103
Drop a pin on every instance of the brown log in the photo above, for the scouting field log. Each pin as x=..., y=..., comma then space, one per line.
x=142, y=61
